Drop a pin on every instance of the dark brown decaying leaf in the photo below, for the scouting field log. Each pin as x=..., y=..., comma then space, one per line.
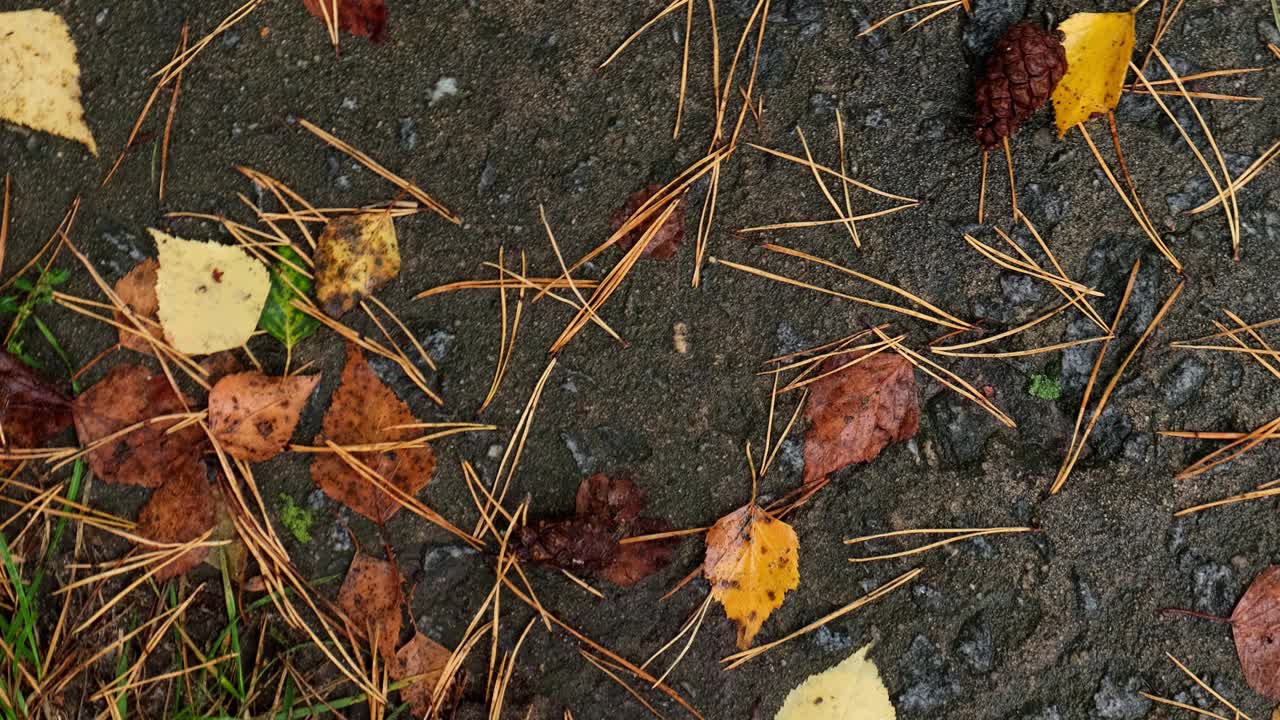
x=666, y=241
x=137, y=289
x=420, y=656
x=220, y=365
x=362, y=18
x=252, y=416
x=854, y=413
x=31, y=410
x=181, y=510
x=608, y=509
x=362, y=412
x=371, y=597
x=147, y=456
x=1255, y=623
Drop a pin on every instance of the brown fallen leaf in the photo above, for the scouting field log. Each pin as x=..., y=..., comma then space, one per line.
x=31, y=410
x=220, y=365
x=179, y=511
x=371, y=597
x=1255, y=623
x=751, y=563
x=253, y=416
x=138, y=291
x=363, y=412
x=420, y=656
x=666, y=241
x=149, y=455
x=355, y=255
x=854, y=413
x=608, y=510
x=224, y=529
x=362, y=18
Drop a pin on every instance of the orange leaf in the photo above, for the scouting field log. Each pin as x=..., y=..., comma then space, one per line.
x=420, y=656
x=182, y=510
x=751, y=563
x=138, y=291
x=854, y=413
x=371, y=598
x=363, y=18
x=149, y=455
x=363, y=412
x=252, y=416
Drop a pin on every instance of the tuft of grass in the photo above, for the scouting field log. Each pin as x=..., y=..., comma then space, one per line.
x=1044, y=387
x=296, y=519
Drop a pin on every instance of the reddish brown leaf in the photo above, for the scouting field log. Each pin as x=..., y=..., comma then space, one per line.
x=362, y=18
x=1255, y=623
x=666, y=241
x=854, y=413
x=362, y=412
x=637, y=561
x=181, y=510
x=146, y=456
x=137, y=290
x=31, y=410
x=371, y=597
x=617, y=501
x=252, y=416
x=420, y=656
x=608, y=509
x=220, y=365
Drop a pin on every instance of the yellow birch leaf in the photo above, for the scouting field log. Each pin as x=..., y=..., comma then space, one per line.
x=851, y=690
x=1098, y=47
x=39, y=77
x=210, y=295
x=356, y=255
x=751, y=563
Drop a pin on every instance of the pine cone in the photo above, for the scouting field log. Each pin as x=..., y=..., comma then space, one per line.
x=1020, y=74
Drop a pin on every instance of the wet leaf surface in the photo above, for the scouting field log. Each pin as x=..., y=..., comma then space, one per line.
x=665, y=243
x=362, y=18
x=41, y=87
x=253, y=416
x=420, y=656
x=852, y=690
x=1255, y=623
x=31, y=410
x=751, y=563
x=280, y=318
x=854, y=413
x=355, y=255
x=180, y=511
x=147, y=456
x=137, y=289
x=210, y=295
x=1099, y=46
x=372, y=597
x=608, y=510
x=364, y=411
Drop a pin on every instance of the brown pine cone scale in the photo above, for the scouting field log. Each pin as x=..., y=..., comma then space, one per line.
x=1019, y=76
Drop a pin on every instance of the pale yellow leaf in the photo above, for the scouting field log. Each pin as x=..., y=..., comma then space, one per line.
x=751, y=564
x=1098, y=47
x=39, y=77
x=851, y=690
x=210, y=295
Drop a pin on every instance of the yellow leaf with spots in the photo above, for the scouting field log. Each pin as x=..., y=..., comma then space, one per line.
x=356, y=255
x=1098, y=47
x=39, y=76
x=210, y=295
x=751, y=563
x=851, y=690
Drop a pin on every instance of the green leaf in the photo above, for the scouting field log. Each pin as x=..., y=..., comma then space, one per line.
x=280, y=318
x=1044, y=387
x=23, y=284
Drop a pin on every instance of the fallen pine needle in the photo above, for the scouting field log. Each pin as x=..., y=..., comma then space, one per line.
x=958, y=535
